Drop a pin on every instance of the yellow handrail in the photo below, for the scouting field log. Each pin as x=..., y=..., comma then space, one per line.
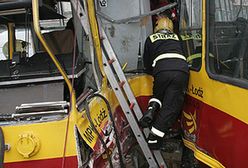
x=95, y=34
x=35, y=6
x=11, y=40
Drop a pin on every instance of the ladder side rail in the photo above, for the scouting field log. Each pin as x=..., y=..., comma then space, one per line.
x=128, y=113
x=121, y=76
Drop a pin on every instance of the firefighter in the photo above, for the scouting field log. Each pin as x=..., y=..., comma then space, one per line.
x=164, y=59
x=171, y=13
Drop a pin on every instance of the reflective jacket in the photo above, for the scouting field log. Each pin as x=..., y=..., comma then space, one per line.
x=163, y=52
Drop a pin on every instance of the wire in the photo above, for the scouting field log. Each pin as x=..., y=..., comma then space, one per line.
x=70, y=91
x=122, y=165
x=115, y=129
x=95, y=130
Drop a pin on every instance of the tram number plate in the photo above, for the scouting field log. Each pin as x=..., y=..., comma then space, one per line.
x=103, y=3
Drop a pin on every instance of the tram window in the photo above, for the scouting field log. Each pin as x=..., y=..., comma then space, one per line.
x=63, y=8
x=55, y=31
x=3, y=42
x=228, y=39
x=24, y=41
x=190, y=31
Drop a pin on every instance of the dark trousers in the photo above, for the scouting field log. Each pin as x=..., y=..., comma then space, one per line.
x=169, y=87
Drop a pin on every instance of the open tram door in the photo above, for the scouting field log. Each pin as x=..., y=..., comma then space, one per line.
x=214, y=117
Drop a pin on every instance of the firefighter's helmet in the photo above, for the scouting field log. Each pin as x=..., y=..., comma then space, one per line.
x=163, y=23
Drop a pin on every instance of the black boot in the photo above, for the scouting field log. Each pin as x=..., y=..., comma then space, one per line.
x=154, y=142
x=147, y=118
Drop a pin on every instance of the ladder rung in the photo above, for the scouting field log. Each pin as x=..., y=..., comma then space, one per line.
x=131, y=105
x=121, y=84
x=129, y=115
x=111, y=61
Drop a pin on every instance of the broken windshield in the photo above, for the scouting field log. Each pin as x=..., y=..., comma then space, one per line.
x=229, y=38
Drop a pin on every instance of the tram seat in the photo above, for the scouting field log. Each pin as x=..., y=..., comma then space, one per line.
x=60, y=42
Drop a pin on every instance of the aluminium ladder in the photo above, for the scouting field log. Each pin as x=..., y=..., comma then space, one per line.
x=122, y=90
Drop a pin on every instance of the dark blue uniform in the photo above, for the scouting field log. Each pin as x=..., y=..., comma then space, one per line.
x=164, y=59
